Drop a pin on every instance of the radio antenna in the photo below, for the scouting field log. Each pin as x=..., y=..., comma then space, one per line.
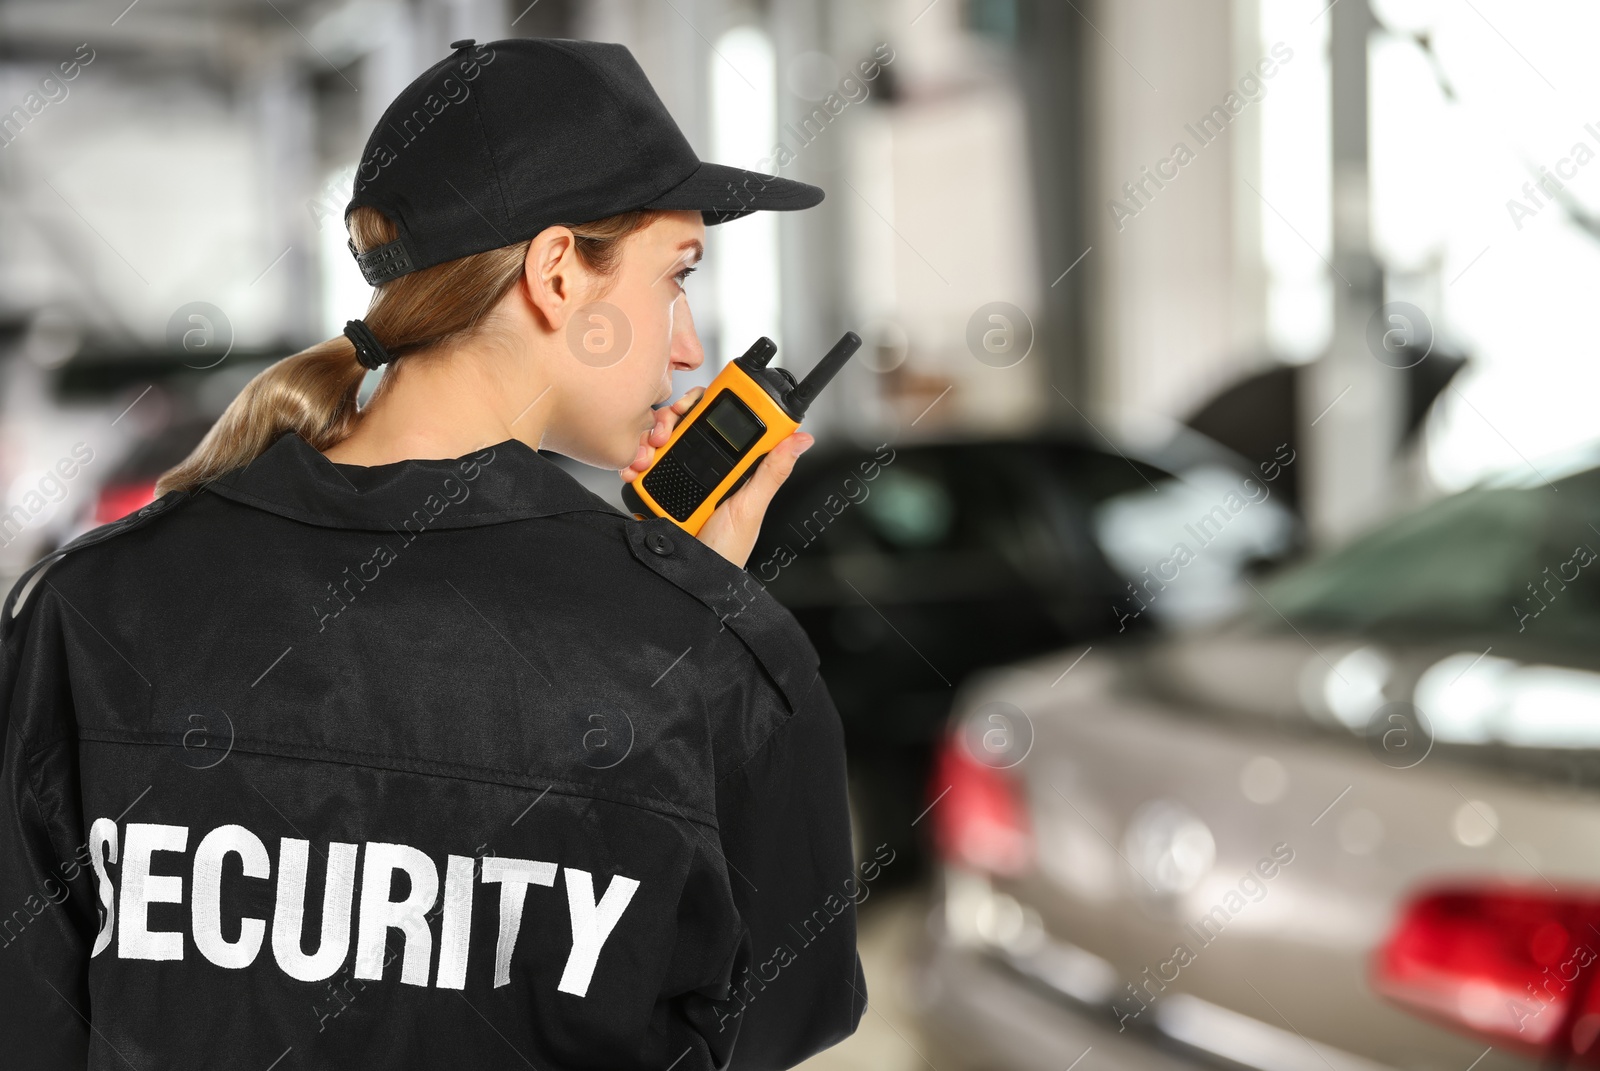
x=801, y=396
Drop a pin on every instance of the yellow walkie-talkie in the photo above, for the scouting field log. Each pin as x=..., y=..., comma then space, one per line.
x=715, y=447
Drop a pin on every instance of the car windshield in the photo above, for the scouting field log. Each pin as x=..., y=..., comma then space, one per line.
x=1491, y=560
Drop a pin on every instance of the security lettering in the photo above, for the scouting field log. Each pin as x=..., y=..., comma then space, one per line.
x=146, y=880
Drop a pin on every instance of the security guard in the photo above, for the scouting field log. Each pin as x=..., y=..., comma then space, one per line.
x=377, y=741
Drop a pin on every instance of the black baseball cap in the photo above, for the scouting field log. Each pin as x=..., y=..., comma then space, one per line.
x=498, y=141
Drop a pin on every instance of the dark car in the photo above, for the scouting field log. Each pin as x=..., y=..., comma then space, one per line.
x=912, y=565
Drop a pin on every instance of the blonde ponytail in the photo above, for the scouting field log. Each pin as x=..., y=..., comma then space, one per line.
x=314, y=391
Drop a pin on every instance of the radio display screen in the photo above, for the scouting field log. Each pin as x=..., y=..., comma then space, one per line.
x=734, y=421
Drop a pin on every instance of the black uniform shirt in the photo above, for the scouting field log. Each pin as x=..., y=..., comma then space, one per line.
x=435, y=764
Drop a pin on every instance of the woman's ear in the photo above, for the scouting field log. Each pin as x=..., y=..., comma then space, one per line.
x=554, y=277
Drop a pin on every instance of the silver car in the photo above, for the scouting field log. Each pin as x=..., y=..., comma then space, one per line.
x=1356, y=825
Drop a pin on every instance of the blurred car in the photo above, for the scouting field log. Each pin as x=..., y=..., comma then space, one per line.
x=911, y=566
x=82, y=414
x=131, y=482
x=1353, y=827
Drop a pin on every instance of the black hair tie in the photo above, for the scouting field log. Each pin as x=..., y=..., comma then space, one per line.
x=369, y=351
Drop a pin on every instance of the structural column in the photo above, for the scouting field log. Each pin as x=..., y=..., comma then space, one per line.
x=1350, y=406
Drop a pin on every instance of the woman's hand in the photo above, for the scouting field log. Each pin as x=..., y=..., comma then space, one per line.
x=667, y=418
x=732, y=528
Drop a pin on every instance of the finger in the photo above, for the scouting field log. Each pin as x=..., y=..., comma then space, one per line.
x=636, y=467
x=642, y=455
x=734, y=525
x=685, y=403
x=667, y=416
x=771, y=472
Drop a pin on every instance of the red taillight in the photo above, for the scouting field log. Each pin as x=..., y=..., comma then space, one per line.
x=1512, y=966
x=118, y=500
x=979, y=820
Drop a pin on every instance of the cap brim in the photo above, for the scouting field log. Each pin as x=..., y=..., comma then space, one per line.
x=722, y=193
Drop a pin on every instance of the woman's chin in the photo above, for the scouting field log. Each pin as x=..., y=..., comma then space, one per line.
x=624, y=459
x=613, y=458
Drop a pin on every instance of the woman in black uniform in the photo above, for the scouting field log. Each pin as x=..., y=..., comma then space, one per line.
x=377, y=740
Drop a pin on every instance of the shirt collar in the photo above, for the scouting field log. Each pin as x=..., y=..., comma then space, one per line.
x=508, y=481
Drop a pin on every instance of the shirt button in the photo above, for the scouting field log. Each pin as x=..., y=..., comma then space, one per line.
x=659, y=542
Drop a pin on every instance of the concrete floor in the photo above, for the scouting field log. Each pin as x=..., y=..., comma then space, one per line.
x=887, y=1039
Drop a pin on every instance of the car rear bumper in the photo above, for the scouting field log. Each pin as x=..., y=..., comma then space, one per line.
x=982, y=1013
x=978, y=1013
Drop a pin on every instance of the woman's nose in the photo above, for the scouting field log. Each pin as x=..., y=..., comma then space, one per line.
x=686, y=352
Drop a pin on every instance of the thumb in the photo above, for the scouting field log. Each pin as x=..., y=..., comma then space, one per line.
x=734, y=525
x=771, y=471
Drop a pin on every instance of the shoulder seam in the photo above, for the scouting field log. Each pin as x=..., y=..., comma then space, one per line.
x=34, y=574
x=267, y=505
